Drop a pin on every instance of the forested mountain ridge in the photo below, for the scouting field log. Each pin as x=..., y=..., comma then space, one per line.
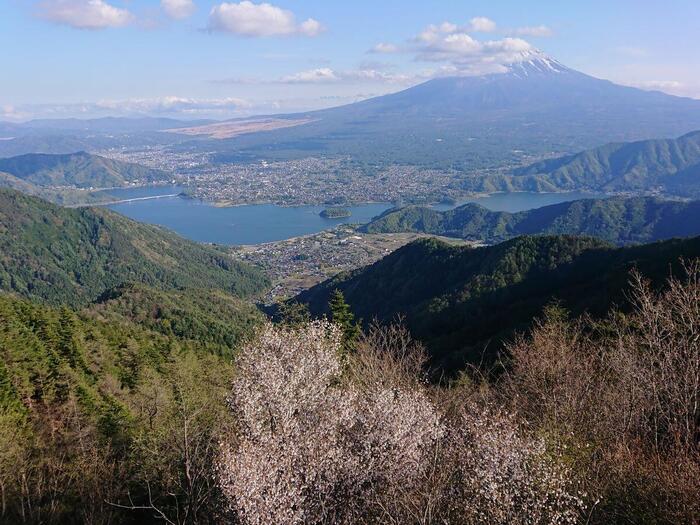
x=662, y=164
x=464, y=302
x=79, y=170
x=72, y=256
x=617, y=220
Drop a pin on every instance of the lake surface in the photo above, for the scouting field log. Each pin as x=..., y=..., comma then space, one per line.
x=259, y=223
x=520, y=201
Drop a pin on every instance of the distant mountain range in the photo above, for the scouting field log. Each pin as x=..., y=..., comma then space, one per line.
x=463, y=303
x=617, y=220
x=73, y=256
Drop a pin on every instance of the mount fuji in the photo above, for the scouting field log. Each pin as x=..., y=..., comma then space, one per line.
x=535, y=106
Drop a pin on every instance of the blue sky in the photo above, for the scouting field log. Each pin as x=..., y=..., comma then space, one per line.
x=201, y=58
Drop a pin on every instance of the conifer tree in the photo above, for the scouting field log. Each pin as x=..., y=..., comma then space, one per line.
x=343, y=317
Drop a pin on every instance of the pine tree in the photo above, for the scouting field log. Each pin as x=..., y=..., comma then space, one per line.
x=343, y=316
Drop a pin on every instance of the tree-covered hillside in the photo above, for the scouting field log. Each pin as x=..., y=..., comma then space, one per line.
x=95, y=414
x=72, y=256
x=634, y=166
x=80, y=170
x=464, y=302
x=617, y=220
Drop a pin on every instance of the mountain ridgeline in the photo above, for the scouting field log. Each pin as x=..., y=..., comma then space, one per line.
x=73, y=256
x=78, y=170
x=616, y=220
x=465, y=302
x=668, y=165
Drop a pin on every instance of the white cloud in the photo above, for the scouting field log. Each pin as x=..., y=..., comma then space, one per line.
x=383, y=47
x=84, y=14
x=312, y=76
x=11, y=113
x=171, y=104
x=433, y=32
x=466, y=55
x=534, y=31
x=178, y=8
x=481, y=24
x=249, y=19
x=133, y=107
x=660, y=85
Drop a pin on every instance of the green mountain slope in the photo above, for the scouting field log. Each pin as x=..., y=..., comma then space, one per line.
x=72, y=256
x=616, y=220
x=80, y=170
x=635, y=166
x=92, y=407
x=463, y=302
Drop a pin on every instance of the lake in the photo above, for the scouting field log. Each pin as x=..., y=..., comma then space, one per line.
x=259, y=223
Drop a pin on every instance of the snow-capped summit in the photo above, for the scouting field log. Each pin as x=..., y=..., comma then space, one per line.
x=535, y=62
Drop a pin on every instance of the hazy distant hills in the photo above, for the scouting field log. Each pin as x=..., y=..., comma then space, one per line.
x=114, y=124
x=79, y=170
x=73, y=256
x=617, y=220
x=70, y=135
x=464, y=302
x=538, y=107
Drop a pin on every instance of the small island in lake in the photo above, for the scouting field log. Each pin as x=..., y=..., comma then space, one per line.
x=335, y=213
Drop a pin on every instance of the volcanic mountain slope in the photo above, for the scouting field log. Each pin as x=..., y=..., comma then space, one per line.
x=538, y=106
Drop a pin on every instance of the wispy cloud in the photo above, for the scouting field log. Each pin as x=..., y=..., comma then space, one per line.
x=258, y=20
x=178, y=9
x=84, y=14
x=384, y=48
x=372, y=74
x=534, y=31
x=481, y=24
x=660, y=85
x=158, y=106
x=173, y=104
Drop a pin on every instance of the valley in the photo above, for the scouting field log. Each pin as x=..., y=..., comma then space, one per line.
x=310, y=264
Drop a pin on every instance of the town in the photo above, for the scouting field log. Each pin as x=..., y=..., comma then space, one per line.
x=311, y=180
x=296, y=264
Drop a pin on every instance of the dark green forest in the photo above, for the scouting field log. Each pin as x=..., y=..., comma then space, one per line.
x=73, y=256
x=617, y=220
x=464, y=303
